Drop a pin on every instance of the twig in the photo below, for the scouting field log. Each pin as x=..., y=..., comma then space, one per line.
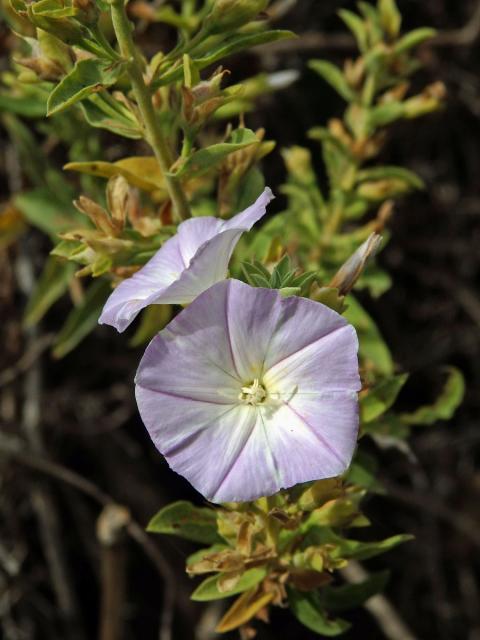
x=379, y=606
x=42, y=501
x=13, y=448
x=110, y=533
x=26, y=361
x=155, y=137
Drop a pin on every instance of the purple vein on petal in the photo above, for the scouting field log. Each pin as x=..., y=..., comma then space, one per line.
x=227, y=331
x=182, y=397
x=270, y=450
x=310, y=344
x=237, y=456
x=317, y=435
x=189, y=440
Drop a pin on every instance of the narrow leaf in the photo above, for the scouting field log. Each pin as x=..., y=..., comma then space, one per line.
x=235, y=44
x=334, y=76
x=82, y=319
x=309, y=611
x=243, y=610
x=187, y=521
x=379, y=399
x=208, y=589
x=87, y=77
x=51, y=285
x=204, y=159
x=349, y=596
x=445, y=405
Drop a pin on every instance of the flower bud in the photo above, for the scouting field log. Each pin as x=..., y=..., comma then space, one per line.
x=349, y=272
x=232, y=14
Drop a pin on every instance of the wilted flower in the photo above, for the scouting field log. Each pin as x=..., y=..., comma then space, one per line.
x=246, y=392
x=186, y=265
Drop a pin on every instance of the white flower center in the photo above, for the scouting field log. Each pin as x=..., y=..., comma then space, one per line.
x=253, y=393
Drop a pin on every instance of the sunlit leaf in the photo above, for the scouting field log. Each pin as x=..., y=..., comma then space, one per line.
x=87, y=77
x=233, y=45
x=204, y=159
x=139, y=171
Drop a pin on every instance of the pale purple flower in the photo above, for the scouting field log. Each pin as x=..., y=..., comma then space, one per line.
x=246, y=392
x=186, y=265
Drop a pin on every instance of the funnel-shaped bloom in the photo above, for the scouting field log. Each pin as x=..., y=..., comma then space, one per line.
x=186, y=265
x=246, y=392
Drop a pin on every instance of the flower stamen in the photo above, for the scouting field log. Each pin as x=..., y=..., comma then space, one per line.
x=253, y=393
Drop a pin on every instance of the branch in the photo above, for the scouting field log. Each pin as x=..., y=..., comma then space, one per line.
x=123, y=32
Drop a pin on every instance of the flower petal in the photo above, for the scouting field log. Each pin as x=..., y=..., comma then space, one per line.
x=191, y=357
x=246, y=219
x=186, y=265
x=313, y=438
x=200, y=441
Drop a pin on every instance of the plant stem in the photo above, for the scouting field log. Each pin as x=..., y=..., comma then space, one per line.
x=123, y=32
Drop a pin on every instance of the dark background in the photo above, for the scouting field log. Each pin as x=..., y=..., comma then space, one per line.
x=431, y=317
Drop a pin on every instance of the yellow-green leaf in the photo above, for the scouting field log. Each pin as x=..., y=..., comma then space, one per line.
x=87, y=77
x=139, y=171
x=186, y=521
x=243, y=610
x=445, y=405
x=208, y=589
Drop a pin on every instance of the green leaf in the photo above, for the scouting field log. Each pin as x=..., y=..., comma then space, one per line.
x=82, y=319
x=87, y=77
x=98, y=115
x=349, y=596
x=335, y=78
x=445, y=405
x=364, y=550
x=385, y=172
x=413, y=39
x=51, y=285
x=185, y=520
x=363, y=472
x=390, y=17
x=208, y=589
x=200, y=555
x=375, y=279
x=372, y=349
x=42, y=210
x=223, y=50
x=28, y=106
x=154, y=318
x=357, y=27
x=249, y=188
x=308, y=609
x=384, y=114
x=204, y=159
x=330, y=297
x=379, y=399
